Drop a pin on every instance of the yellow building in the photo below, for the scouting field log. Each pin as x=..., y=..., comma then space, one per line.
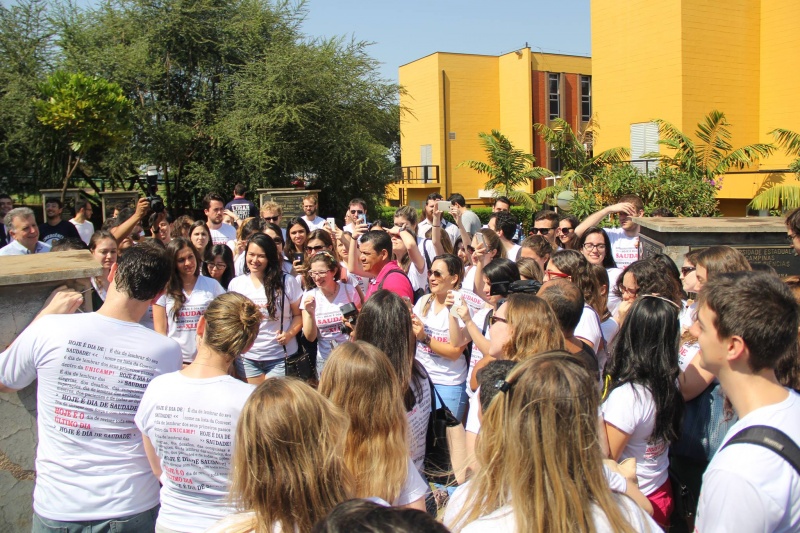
x=679, y=59
x=448, y=99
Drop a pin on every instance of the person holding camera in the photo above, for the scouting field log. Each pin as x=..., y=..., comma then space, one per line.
x=329, y=309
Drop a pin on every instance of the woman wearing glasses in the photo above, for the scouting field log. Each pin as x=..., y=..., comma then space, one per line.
x=643, y=407
x=595, y=246
x=440, y=333
x=323, y=319
x=220, y=266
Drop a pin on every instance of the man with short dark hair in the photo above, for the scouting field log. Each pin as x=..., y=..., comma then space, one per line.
x=501, y=203
x=55, y=228
x=375, y=254
x=92, y=471
x=624, y=239
x=505, y=225
x=241, y=206
x=81, y=221
x=356, y=208
x=311, y=217
x=545, y=223
x=6, y=205
x=746, y=326
x=24, y=232
x=214, y=209
x=463, y=216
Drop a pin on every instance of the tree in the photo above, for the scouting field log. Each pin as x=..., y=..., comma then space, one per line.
x=87, y=112
x=578, y=164
x=778, y=196
x=508, y=168
x=712, y=158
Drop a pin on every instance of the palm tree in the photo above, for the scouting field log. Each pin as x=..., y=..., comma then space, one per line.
x=578, y=165
x=508, y=169
x=713, y=157
x=782, y=196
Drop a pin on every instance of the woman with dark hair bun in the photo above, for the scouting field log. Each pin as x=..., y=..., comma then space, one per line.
x=642, y=405
x=177, y=312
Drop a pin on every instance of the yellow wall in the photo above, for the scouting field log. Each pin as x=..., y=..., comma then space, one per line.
x=420, y=103
x=560, y=63
x=516, y=104
x=636, y=65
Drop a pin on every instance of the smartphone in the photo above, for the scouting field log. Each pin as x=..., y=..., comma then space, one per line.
x=456, y=305
x=298, y=257
x=444, y=206
x=331, y=222
x=479, y=238
x=362, y=218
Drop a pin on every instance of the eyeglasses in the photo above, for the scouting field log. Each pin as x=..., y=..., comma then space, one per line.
x=495, y=319
x=541, y=231
x=318, y=273
x=271, y=219
x=687, y=270
x=310, y=249
x=436, y=274
x=791, y=237
x=589, y=247
x=551, y=274
x=356, y=212
x=217, y=266
x=630, y=291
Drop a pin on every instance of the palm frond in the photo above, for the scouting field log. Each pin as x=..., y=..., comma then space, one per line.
x=777, y=197
x=612, y=156
x=674, y=138
x=788, y=140
x=743, y=157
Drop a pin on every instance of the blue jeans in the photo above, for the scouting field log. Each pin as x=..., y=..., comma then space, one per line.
x=275, y=368
x=144, y=522
x=454, y=397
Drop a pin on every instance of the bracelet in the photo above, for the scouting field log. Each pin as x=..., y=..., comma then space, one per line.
x=435, y=226
x=427, y=340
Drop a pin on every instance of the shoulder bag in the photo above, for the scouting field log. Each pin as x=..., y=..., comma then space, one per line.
x=298, y=365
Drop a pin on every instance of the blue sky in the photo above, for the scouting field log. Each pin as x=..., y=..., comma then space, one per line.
x=409, y=29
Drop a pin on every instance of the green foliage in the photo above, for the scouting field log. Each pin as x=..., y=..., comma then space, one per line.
x=778, y=196
x=715, y=155
x=508, y=168
x=665, y=187
x=578, y=166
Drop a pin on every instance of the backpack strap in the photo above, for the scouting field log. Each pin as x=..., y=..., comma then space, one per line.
x=428, y=261
x=396, y=270
x=486, y=322
x=770, y=438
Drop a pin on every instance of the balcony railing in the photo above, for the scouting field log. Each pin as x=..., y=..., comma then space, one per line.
x=419, y=174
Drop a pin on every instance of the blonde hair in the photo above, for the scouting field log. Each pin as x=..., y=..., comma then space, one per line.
x=287, y=458
x=534, y=327
x=530, y=269
x=540, y=452
x=240, y=229
x=271, y=206
x=360, y=379
x=232, y=323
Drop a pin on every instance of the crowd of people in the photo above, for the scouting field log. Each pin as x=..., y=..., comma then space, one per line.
x=594, y=390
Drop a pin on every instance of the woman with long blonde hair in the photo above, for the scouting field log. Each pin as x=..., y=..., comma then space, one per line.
x=360, y=379
x=541, y=462
x=288, y=467
x=524, y=325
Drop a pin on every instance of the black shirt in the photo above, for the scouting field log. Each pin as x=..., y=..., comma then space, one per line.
x=62, y=230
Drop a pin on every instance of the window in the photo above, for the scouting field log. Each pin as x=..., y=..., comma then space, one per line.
x=554, y=163
x=554, y=95
x=586, y=98
x=644, y=140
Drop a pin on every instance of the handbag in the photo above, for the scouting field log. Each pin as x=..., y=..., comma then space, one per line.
x=298, y=365
x=445, y=445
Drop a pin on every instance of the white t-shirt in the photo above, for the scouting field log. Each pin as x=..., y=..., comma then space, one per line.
x=513, y=252
x=85, y=229
x=609, y=328
x=314, y=224
x=687, y=353
x=613, y=300
x=147, y=319
x=92, y=371
x=418, y=418
x=354, y=279
x=503, y=519
x=184, y=328
x=688, y=315
x=413, y=489
x=479, y=319
x=473, y=418
x=426, y=245
x=419, y=280
x=329, y=318
x=265, y=348
x=590, y=329
x=630, y=408
x=625, y=249
x=191, y=424
x=442, y=371
x=474, y=301
x=225, y=233
x=747, y=487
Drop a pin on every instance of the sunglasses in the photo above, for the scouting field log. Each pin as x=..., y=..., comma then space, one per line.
x=277, y=241
x=271, y=219
x=565, y=230
x=495, y=319
x=551, y=274
x=541, y=231
x=791, y=237
x=356, y=212
x=310, y=249
x=436, y=274
x=687, y=270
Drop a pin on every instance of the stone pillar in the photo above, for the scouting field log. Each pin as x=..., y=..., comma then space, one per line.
x=760, y=239
x=25, y=283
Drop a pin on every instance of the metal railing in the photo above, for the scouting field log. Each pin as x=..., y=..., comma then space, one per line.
x=418, y=174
